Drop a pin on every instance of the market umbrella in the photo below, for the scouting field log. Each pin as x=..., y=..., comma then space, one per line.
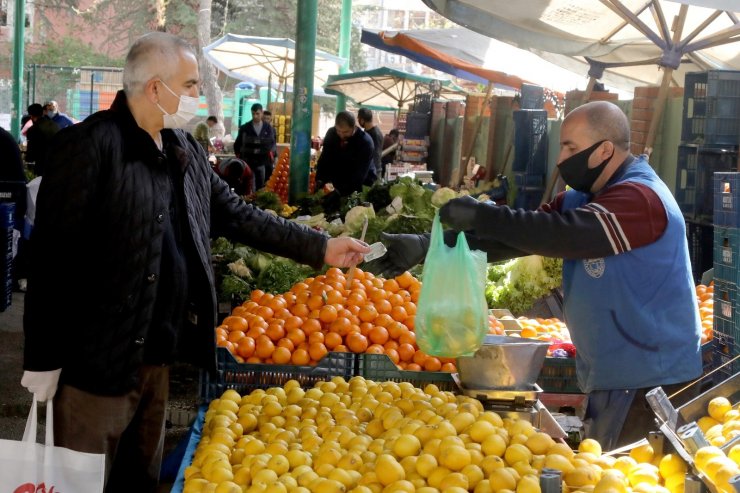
x=265, y=61
x=387, y=89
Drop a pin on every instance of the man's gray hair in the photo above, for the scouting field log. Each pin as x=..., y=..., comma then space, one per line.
x=607, y=121
x=153, y=55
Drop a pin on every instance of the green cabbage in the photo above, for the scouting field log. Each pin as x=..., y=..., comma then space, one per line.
x=355, y=218
x=442, y=196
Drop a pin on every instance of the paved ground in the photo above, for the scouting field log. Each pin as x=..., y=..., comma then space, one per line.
x=15, y=401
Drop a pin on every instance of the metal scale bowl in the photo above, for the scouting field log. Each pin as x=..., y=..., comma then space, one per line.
x=502, y=374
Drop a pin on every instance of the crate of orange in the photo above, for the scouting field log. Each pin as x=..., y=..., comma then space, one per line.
x=246, y=377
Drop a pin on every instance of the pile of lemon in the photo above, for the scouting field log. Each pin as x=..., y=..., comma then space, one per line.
x=719, y=427
x=362, y=436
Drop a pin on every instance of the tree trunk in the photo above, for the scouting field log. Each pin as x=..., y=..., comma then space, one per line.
x=209, y=83
x=160, y=15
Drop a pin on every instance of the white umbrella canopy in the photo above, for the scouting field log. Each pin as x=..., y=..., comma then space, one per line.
x=387, y=89
x=622, y=42
x=263, y=60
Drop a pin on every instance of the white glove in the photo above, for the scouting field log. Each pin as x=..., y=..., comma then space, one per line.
x=43, y=384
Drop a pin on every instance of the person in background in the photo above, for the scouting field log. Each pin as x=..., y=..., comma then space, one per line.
x=253, y=144
x=39, y=137
x=11, y=172
x=202, y=132
x=267, y=118
x=629, y=298
x=389, y=140
x=346, y=159
x=121, y=259
x=365, y=120
x=51, y=109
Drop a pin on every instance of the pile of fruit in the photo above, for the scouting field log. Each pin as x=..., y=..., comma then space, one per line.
x=721, y=425
x=363, y=436
x=372, y=315
x=278, y=181
x=705, y=298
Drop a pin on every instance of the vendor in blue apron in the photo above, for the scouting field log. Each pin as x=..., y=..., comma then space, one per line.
x=254, y=145
x=629, y=298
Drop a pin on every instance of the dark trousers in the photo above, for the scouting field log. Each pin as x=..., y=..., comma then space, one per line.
x=619, y=417
x=259, y=176
x=129, y=429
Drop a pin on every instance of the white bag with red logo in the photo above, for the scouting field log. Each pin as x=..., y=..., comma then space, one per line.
x=30, y=467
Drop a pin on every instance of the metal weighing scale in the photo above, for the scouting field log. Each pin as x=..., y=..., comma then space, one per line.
x=502, y=375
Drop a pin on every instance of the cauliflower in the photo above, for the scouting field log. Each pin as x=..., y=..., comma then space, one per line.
x=516, y=284
x=240, y=269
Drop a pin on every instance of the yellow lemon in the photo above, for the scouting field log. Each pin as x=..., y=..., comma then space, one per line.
x=529, y=483
x=643, y=473
x=454, y=480
x=717, y=407
x=704, y=454
x=643, y=453
x=482, y=487
x=517, y=452
x=492, y=418
x=455, y=457
x=559, y=462
x=491, y=462
x=388, y=470
x=724, y=474
x=502, y=479
x=539, y=443
x=480, y=430
x=705, y=423
x=494, y=445
x=590, y=446
x=474, y=474
x=406, y=445
x=625, y=464
x=675, y=482
x=671, y=464
x=561, y=449
x=580, y=476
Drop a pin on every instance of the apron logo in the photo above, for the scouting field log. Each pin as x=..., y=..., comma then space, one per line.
x=594, y=267
x=32, y=488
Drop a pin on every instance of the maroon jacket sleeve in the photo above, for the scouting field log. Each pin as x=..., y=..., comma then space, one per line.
x=623, y=217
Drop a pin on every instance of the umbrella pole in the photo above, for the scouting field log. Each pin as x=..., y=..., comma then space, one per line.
x=589, y=89
x=269, y=90
x=658, y=113
x=486, y=102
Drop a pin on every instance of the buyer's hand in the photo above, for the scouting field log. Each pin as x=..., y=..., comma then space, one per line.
x=404, y=252
x=345, y=252
x=43, y=384
x=459, y=214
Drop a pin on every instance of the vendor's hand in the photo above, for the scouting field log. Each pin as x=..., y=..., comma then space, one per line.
x=459, y=214
x=42, y=384
x=345, y=251
x=404, y=252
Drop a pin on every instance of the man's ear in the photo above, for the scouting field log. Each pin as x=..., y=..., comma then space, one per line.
x=151, y=90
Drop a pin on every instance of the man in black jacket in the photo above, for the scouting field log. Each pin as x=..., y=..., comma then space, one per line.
x=346, y=159
x=254, y=144
x=365, y=121
x=39, y=138
x=121, y=282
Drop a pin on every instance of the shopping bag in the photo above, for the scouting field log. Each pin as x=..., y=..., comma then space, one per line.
x=452, y=315
x=30, y=467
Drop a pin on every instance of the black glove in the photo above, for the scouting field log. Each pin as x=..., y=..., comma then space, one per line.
x=459, y=214
x=404, y=252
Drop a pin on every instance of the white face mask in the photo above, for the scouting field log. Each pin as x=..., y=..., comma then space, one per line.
x=186, y=109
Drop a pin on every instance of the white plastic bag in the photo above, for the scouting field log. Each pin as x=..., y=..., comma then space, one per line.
x=28, y=466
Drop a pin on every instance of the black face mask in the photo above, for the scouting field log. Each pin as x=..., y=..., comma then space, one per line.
x=576, y=173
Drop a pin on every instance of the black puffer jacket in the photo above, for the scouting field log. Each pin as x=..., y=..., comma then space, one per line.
x=97, y=245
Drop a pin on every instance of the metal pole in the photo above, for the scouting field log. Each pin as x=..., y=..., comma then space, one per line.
x=300, y=141
x=33, y=86
x=345, y=42
x=92, y=86
x=18, y=49
x=269, y=90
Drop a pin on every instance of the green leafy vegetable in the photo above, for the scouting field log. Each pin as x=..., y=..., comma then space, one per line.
x=355, y=218
x=280, y=275
x=232, y=285
x=266, y=200
x=516, y=284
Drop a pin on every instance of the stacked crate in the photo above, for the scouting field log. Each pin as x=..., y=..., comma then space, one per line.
x=7, y=210
x=726, y=248
x=530, y=157
x=710, y=136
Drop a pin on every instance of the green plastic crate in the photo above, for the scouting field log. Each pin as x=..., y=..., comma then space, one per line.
x=380, y=368
x=246, y=377
x=558, y=375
